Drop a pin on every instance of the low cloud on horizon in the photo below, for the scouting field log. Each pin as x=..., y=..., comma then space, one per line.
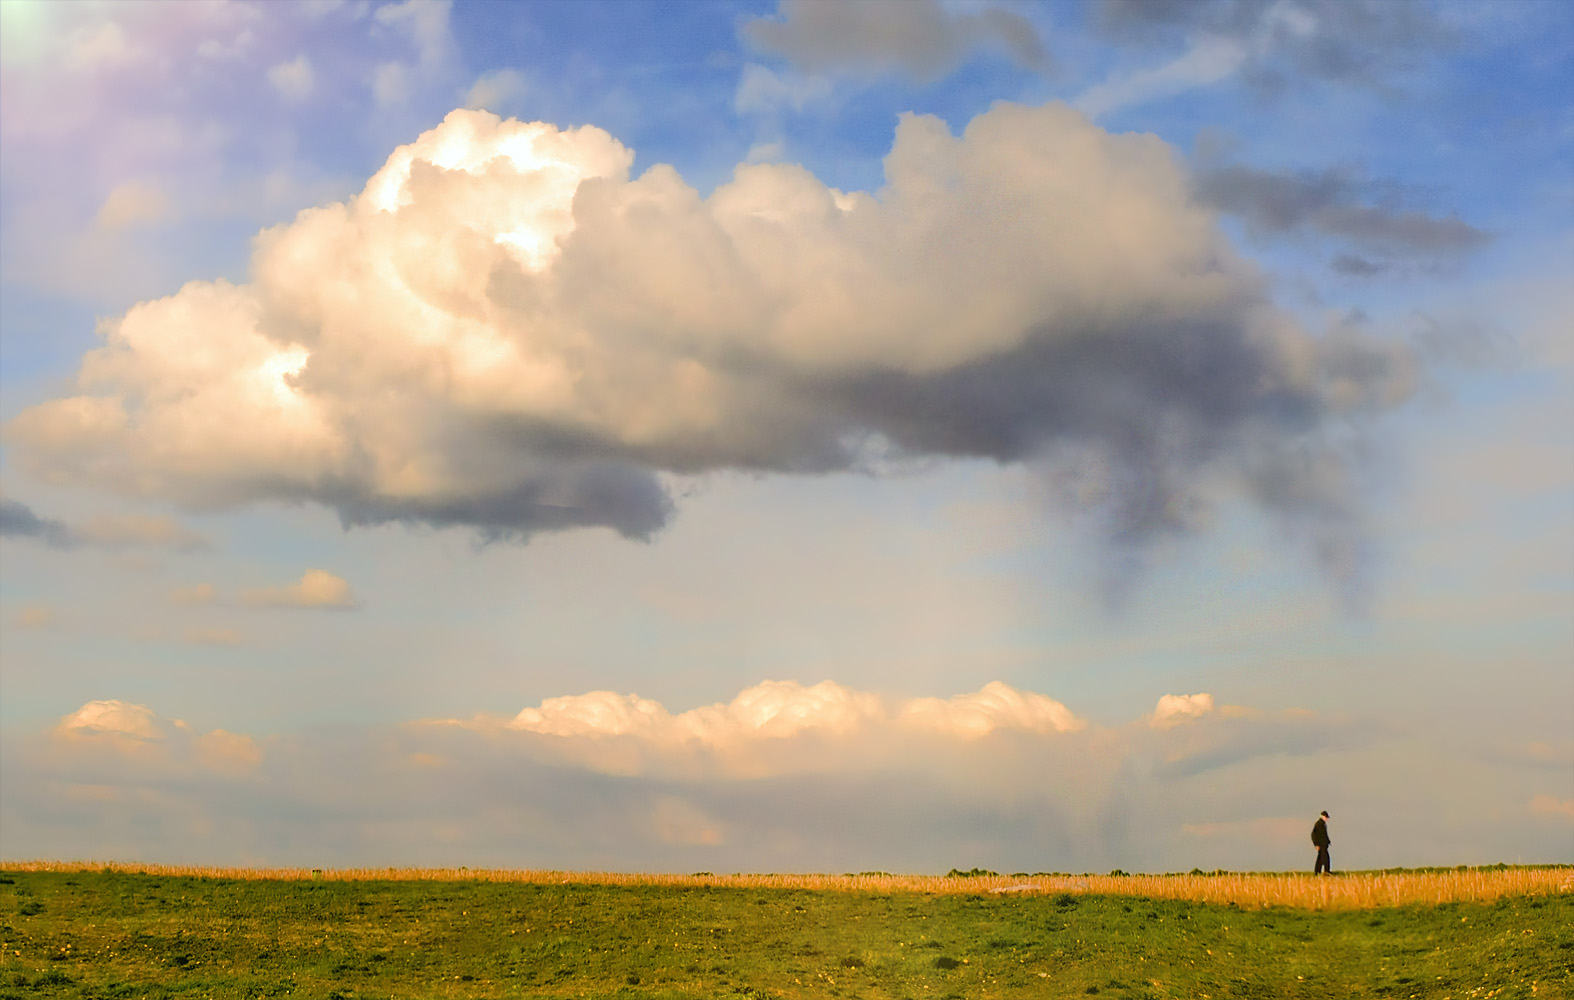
x=784, y=777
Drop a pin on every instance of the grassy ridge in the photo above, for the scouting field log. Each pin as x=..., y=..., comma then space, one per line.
x=125, y=934
x=1383, y=887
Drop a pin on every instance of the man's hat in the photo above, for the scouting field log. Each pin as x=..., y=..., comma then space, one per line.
x=1325, y=814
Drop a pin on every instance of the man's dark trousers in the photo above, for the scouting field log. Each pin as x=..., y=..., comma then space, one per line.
x=1323, y=864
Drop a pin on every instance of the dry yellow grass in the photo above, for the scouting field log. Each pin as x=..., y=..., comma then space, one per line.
x=1353, y=890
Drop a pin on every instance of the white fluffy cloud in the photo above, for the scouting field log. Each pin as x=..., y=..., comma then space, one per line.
x=1177, y=708
x=773, y=728
x=112, y=732
x=114, y=719
x=772, y=710
x=506, y=330
x=782, y=709
x=996, y=706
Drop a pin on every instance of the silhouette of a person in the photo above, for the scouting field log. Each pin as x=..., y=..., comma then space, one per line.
x=1322, y=843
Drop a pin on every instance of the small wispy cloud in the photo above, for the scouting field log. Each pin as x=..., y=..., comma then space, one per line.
x=1360, y=42
x=1551, y=805
x=37, y=616
x=424, y=24
x=138, y=530
x=134, y=203
x=227, y=752
x=108, y=531
x=199, y=593
x=294, y=80
x=1208, y=61
x=315, y=589
x=492, y=90
x=762, y=90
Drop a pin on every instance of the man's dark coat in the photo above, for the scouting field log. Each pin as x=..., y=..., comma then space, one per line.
x=1320, y=834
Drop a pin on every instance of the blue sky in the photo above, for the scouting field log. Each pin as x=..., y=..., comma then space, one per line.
x=1040, y=436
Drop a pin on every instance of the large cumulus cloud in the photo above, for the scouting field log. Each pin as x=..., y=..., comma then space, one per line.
x=506, y=330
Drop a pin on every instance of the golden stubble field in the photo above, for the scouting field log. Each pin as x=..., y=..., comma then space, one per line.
x=1346, y=890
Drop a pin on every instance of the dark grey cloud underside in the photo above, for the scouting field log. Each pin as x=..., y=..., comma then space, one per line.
x=1334, y=205
x=1355, y=266
x=1134, y=422
x=17, y=520
x=917, y=37
x=1134, y=428
x=584, y=494
x=1150, y=409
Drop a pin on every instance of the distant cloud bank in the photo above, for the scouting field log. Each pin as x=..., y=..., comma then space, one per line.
x=785, y=775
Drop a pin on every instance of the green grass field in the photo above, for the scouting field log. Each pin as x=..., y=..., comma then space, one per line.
x=124, y=934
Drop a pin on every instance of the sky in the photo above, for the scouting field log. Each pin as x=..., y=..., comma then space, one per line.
x=799, y=436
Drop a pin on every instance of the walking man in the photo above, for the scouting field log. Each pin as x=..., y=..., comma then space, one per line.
x=1320, y=839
